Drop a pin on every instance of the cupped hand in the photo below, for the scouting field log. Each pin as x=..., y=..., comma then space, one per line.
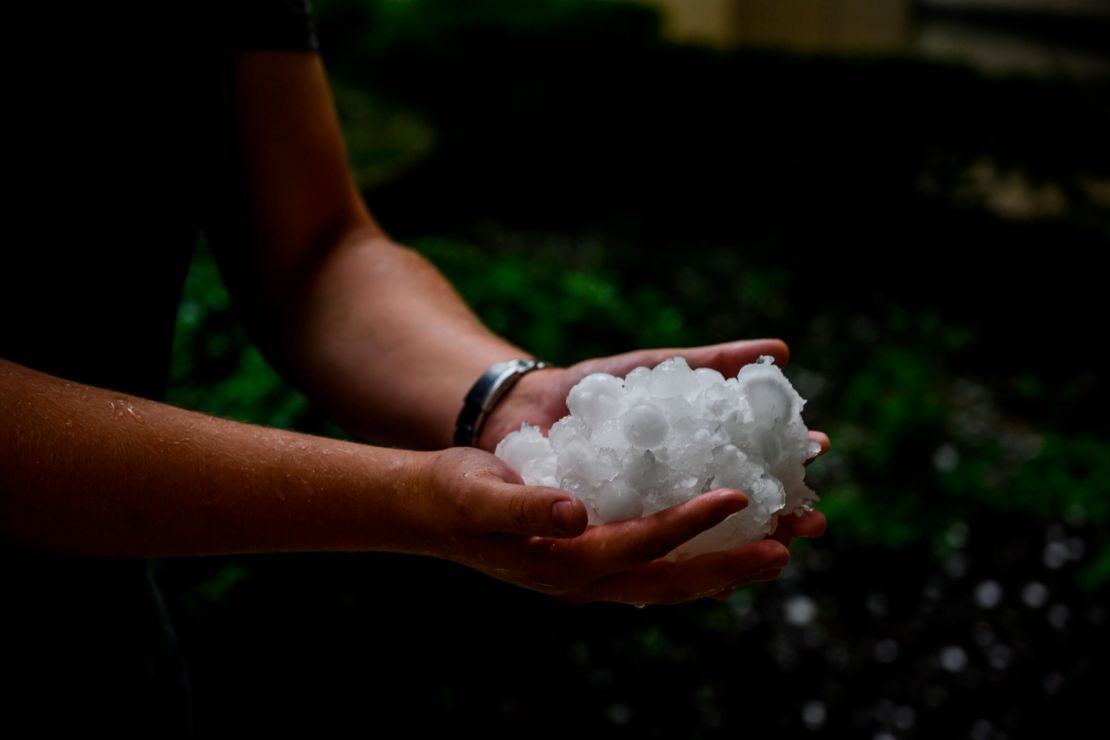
x=470, y=507
x=811, y=523
x=539, y=398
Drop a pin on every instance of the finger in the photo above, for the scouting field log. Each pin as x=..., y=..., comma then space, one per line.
x=612, y=548
x=807, y=524
x=784, y=529
x=663, y=582
x=771, y=574
x=727, y=358
x=500, y=507
x=823, y=442
x=783, y=533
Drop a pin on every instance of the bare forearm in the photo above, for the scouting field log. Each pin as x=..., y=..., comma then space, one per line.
x=85, y=470
x=386, y=343
x=370, y=330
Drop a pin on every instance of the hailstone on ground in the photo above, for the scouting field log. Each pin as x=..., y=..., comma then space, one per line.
x=661, y=436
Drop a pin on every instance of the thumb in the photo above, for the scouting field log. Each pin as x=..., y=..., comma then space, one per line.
x=530, y=510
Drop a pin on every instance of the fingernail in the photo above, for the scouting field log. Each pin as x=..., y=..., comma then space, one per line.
x=562, y=514
x=735, y=500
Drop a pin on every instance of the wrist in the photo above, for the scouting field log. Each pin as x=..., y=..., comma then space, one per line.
x=486, y=394
x=428, y=513
x=526, y=401
x=403, y=518
x=334, y=495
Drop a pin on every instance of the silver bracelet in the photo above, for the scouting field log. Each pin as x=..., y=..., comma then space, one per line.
x=484, y=395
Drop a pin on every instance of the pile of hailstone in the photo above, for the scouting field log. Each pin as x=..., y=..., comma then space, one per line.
x=662, y=436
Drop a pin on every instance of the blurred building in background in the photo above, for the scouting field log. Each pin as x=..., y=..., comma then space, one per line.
x=805, y=25
x=1043, y=37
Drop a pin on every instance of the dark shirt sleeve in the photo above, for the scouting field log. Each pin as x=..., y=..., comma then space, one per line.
x=270, y=25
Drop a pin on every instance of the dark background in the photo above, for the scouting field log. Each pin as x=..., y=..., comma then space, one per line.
x=924, y=232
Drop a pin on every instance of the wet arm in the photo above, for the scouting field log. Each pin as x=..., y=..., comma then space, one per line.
x=369, y=329
x=90, y=471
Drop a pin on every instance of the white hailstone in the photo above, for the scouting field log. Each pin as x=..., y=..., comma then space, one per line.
x=532, y=457
x=645, y=425
x=596, y=398
x=661, y=436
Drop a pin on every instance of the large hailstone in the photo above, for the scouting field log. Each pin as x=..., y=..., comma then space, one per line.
x=662, y=436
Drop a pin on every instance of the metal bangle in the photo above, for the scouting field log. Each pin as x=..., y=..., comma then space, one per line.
x=484, y=395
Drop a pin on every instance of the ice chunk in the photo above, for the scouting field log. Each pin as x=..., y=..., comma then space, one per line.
x=645, y=425
x=672, y=378
x=708, y=377
x=662, y=435
x=525, y=447
x=618, y=501
x=596, y=398
x=610, y=433
x=529, y=453
x=562, y=432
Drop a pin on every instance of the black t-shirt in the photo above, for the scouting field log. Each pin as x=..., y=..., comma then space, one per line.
x=118, y=153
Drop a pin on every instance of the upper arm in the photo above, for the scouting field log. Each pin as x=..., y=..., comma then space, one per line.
x=296, y=197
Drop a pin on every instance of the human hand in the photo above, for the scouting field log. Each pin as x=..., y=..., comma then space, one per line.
x=788, y=526
x=539, y=398
x=811, y=523
x=470, y=507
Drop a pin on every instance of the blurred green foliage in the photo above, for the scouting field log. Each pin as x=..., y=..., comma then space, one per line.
x=382, y=141
x=215, y=368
